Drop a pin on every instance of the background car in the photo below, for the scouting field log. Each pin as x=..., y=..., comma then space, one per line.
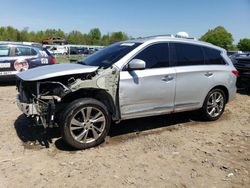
x=241, y=62
x=15, y=58
x=58, y=50
x=76, y=50
x=54, y=40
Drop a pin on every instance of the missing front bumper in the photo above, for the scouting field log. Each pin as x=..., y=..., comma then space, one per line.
x=28, y=109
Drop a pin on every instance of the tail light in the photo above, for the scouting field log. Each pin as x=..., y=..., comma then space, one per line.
x=52, y=60
x=236, y=73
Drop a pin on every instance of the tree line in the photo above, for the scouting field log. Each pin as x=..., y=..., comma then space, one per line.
x=218, y=36
x=93, y=37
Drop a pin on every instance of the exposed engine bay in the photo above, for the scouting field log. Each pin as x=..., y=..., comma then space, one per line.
x=44, y=99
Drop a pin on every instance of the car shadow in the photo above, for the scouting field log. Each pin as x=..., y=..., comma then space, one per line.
x=36, y=137
x=148, y=123
x=244, y=91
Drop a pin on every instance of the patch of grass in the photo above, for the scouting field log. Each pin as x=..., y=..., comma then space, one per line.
x=67, y=58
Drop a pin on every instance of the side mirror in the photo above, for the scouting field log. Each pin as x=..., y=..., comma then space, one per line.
x=136, y=64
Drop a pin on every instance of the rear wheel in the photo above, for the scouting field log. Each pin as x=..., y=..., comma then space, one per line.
x=85, y=123
x=214, y=105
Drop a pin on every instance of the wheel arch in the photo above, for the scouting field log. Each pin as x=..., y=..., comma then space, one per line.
x=224, y=89
x=98, y=94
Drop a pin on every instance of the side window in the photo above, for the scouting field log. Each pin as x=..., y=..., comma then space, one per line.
x=24, y=51
x=213, y=57
x=188, y=54
x=4, y=51
x=155, y=56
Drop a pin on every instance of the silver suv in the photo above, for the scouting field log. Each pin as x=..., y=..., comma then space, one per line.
x=131, y=79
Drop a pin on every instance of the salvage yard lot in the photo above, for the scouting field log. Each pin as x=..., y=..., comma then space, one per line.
x=164, y=151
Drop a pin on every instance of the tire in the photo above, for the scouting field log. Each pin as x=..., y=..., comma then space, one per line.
x=214, y=105
x=85, y=123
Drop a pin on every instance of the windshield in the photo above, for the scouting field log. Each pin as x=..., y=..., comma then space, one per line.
x=109, y=55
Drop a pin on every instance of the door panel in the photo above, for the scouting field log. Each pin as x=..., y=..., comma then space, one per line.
x=146, y=92
x=192, y=76
x=192, y=83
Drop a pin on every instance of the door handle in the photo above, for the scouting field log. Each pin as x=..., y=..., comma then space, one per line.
x=167, y=78
x=208, y=74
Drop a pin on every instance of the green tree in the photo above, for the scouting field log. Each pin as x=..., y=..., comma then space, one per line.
x=117, y=36
x=75, y=37
x=105, y=40
x=9, y=33
x=244, y=44
x=23, y=35
x=218, y=36
x=40, y=36
x=94, y=36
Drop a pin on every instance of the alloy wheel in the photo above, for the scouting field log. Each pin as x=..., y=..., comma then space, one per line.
x=215, y=104
x=87, y=125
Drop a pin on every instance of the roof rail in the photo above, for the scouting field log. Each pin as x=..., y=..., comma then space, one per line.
x=167, y=35
x=157, y=36
x=192, y=38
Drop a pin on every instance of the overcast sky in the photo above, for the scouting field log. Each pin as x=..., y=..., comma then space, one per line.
x=134, y=17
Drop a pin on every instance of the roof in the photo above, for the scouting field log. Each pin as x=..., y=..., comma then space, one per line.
x=27, y=44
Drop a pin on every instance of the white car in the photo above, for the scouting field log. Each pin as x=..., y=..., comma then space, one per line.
x=58, y=50
x=131, y=79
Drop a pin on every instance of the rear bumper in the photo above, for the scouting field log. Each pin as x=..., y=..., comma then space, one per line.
x=27, y=108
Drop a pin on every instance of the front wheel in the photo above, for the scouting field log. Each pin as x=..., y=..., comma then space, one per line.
x=85, y=123
x=214, y=104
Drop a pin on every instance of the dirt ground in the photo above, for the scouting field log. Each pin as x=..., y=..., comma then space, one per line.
x=164, y=151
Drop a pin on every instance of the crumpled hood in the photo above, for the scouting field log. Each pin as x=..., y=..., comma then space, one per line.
x=50, y=71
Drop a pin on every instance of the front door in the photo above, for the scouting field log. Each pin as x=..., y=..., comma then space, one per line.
x=150, y=91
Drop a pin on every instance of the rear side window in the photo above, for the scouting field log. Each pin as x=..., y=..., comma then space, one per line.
x=213, y=57
x=188, y=54
x=24, y=51
x=155, y=56
x=4, y=51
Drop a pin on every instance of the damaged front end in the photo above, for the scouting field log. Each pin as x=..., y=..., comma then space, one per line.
x=44, y=100
x=38, y=100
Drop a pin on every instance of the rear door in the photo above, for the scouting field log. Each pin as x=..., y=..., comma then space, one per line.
x=26, y=58
x=192, y=76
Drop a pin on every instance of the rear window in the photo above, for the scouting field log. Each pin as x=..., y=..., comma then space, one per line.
x=188, y=54
x=45, y=53
x=24, y=51
x=4, y=51
x=213, y=57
